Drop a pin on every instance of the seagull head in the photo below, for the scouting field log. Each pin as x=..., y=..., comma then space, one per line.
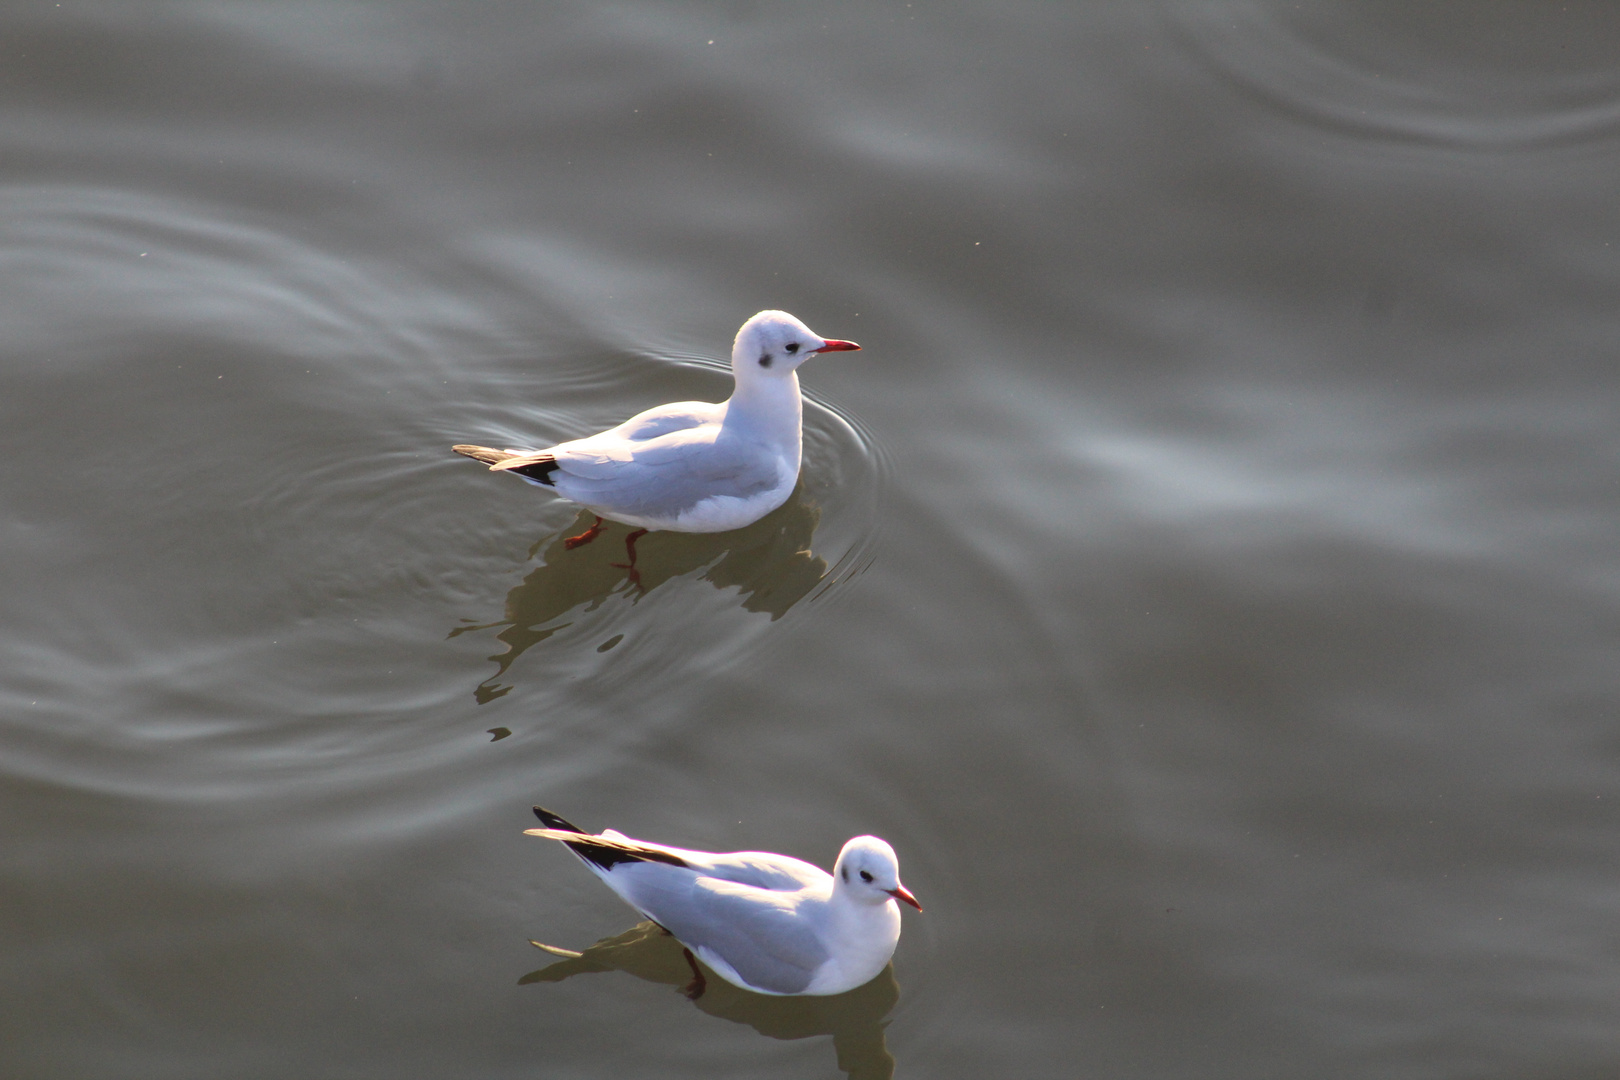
x=775, y=343
x=868, y=873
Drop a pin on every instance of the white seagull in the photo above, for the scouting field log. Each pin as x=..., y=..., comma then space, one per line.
x=691, y=466
x=764, y=922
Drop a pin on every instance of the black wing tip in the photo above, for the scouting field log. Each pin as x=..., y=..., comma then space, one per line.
x=539, y=470
x=553, y=821
x=605, y=856
x=609, y=857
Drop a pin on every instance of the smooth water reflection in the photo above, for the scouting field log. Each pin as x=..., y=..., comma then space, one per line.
x=855, y=1019
x=769, y=563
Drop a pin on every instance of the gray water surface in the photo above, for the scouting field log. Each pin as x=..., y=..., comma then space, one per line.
x=1205, y=576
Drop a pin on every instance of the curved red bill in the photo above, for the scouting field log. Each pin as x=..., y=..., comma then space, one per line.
x=902, y=894
x=840, y=346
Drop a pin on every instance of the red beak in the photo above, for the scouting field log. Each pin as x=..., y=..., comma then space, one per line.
x=902, y=894
x=841, y=346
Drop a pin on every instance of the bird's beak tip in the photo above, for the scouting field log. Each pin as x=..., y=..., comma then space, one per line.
x=839, y=346
x=902, y=894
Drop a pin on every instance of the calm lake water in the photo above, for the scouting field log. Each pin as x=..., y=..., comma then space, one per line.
x=1206, y=577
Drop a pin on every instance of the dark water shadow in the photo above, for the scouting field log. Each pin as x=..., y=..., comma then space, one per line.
x=769, y=563
x=855, y=1019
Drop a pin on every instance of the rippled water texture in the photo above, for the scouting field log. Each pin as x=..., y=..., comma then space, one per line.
x=1205, y=576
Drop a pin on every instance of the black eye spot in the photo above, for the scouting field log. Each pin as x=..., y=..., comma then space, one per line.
x=865, y=876
x=844, y=873
x=764, y=359
x=792, y=346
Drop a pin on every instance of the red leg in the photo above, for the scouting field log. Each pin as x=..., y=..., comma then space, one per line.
x=630, y=548
x=694, y=989
x=585, y=537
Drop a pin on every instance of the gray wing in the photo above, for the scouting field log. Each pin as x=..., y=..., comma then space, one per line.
x=663, y=419
x=595, y=457
x=765, y=937
x=663, y=475
x=768, y=938
x=761, y=869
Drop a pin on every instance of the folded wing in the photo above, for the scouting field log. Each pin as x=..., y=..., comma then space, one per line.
x=662, y=475
x=759, y=933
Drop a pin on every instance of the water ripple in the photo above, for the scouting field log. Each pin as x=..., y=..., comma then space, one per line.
x=1403, y=72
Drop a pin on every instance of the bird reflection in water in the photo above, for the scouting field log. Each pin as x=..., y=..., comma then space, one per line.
x=855, y=1019
x=769, y=563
